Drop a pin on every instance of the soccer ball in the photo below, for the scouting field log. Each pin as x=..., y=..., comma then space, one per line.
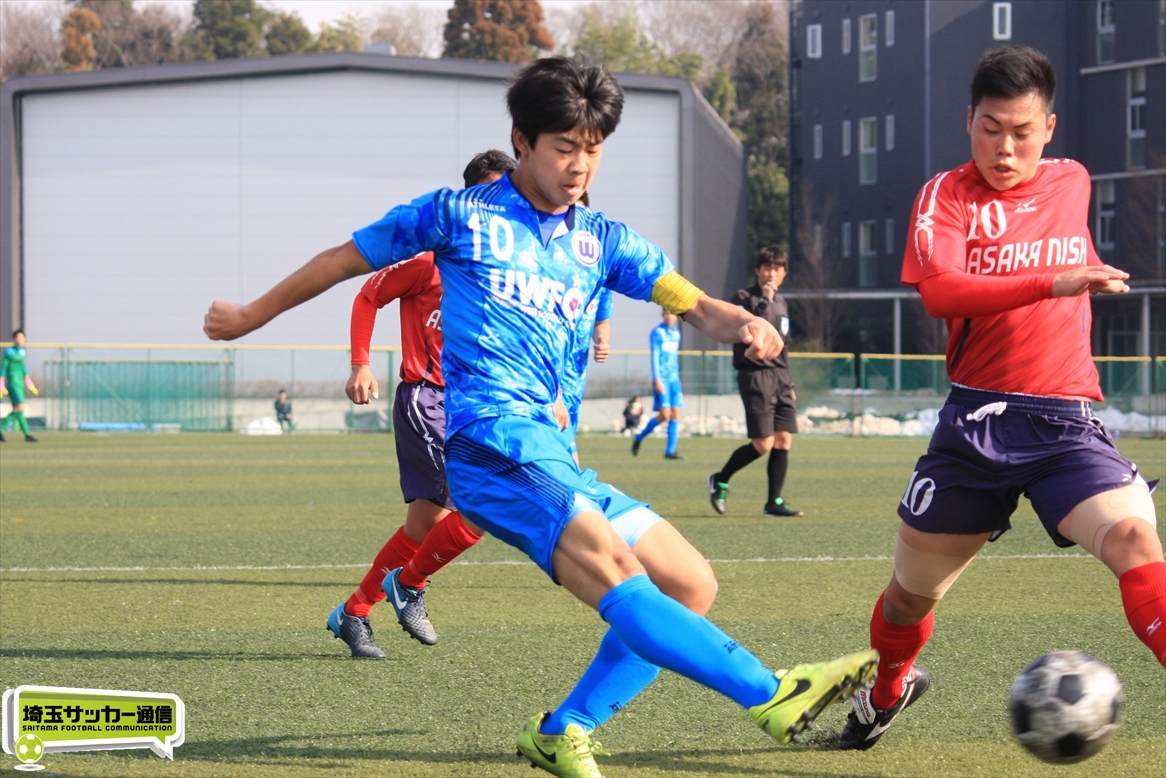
x=29, y=748
x=1065, y=706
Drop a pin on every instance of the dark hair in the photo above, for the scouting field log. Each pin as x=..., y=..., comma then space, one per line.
x=772, y=255
x=557, y=94
x=482, y=165
x=17, y=331
x=1014, y=71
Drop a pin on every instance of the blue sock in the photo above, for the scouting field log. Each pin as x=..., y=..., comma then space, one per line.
x=615, y=676
x=673, y=434
x=648, y=429
x=664, y=632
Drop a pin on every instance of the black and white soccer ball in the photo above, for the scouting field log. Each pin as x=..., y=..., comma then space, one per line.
x=1065, y=706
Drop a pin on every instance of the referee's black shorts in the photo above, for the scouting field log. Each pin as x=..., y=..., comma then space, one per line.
x=769, y=402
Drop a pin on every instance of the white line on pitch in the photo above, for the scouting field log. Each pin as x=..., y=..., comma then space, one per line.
x=514, y=562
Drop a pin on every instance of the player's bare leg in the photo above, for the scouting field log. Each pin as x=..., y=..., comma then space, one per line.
x=1119, y=528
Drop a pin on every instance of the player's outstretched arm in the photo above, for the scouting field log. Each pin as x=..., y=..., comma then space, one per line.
x=729, y=323
x=228, y=321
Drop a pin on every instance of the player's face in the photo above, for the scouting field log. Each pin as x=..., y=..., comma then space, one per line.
x=770, y=274
x=18, y=339
x=1009, y=135
x=557, y=171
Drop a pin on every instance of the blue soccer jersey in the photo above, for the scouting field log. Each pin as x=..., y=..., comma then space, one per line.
x=511, y=301
x=665, y=344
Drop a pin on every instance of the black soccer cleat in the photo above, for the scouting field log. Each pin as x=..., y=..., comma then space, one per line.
x=780, y=507
x=718, y=494
x=410, y=607
x=865, y=724
x=673, y=455
x=356, y=632
x=29, y=439
x=636, y=446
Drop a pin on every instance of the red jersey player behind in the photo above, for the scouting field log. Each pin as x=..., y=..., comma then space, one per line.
x=1001, y=250
x=434, y=532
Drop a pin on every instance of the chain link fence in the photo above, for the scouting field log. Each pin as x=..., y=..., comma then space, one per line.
x=162, y=388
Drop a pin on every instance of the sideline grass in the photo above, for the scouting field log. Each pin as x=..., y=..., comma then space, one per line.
x=270, y=693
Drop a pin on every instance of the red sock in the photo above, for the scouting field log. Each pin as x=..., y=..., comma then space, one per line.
x=1143, y=594
x=396, y=553
x=443, y=543
x=898, y=645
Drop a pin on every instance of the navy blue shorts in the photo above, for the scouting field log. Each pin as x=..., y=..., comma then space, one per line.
x=419, y=432
x=989, y=448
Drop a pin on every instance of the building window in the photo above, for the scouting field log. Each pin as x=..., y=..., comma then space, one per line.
x=868, y=52
x=1104, y=192
x=889, y=32
x=846, y=239
x=868, y=148
x=1162, y=28
x=817, y=141
x=846, y=35
x=1105, y=31
x=846, y=138
x=1136, y=118
x=889, y=236
x=814, y=41
x=1001, y=21
x=889, y=132
x=868, y=260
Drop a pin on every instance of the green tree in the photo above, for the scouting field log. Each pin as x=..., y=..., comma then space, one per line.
x=496, y=30
x=760, y=115
x=620, y=45
x=287, y=34
x=226, y=29
x=721, y=94
x=346, y=35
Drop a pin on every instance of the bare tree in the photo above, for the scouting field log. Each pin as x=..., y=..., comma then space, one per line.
x=30, y=37
x=815, y=267
x=413, y=29
x=693, y=26
x=929, y=335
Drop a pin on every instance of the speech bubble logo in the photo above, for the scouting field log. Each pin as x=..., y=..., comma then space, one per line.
x=66, y=719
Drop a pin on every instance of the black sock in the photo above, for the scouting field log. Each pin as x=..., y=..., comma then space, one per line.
x=778, y=464
x=739, y=459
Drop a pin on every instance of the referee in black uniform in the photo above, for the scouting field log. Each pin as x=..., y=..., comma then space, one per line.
x=767, y=390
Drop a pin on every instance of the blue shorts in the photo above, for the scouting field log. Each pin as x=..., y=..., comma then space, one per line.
x=989, y=448
x=572, y=431
x=515, y=478
x=671, y=397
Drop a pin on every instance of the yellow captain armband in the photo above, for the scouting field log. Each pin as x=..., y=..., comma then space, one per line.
x=675, y=293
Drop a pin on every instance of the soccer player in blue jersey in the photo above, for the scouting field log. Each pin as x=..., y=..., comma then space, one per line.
x=669, y=394
x=593, y=332
x=519, y=262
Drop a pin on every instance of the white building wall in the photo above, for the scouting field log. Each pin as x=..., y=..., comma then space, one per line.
x=143, y=204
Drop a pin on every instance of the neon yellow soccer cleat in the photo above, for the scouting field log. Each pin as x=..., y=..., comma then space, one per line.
x=807, y=690
x=570, y=755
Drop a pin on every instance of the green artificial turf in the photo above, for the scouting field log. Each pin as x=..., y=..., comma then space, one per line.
x=205, y=565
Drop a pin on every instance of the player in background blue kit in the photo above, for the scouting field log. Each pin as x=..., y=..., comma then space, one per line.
x=669, y=394
x=519, y=263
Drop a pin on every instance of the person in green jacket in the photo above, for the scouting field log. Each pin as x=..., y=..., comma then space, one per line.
x=14, y=379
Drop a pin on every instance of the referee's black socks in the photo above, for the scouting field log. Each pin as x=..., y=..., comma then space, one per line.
x=740, y=458
x=778, y=464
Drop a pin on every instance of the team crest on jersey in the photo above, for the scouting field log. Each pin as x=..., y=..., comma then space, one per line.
x=586, y=247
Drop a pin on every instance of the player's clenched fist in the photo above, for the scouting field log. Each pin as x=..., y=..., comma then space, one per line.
x=762, y=338
x=362, y=385
x=225, y=321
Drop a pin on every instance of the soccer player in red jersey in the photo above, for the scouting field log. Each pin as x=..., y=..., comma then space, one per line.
x=1001, y=250
x=434, y=533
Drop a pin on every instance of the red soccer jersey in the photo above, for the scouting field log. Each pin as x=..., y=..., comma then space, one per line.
x=1014, y=242
x=417, y=284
